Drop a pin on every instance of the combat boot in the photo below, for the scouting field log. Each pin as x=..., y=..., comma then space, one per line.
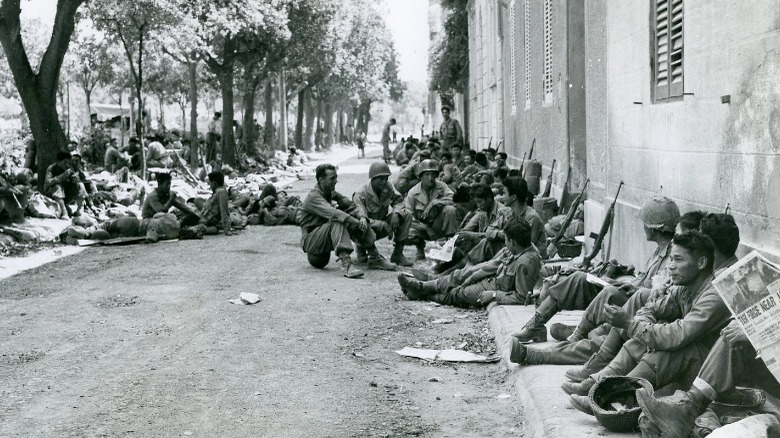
x=411, y=287
x=421, y=251
x=349, y=269
x=378, y=261
x=398, y=256
x=362, y=256
x=535, y=330
x=581, y=403
x=517, y=351
x=581, y=388
x=562, y=332
x=673, y=417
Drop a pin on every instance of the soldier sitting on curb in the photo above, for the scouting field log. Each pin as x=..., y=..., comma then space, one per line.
x=506, y=278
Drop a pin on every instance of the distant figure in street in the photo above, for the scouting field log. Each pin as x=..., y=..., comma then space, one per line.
x=213, y=137
x=450, y=131
x=361, y=144
x=386, y=140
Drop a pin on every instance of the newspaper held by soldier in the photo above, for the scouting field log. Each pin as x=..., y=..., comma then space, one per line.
x=751, y=290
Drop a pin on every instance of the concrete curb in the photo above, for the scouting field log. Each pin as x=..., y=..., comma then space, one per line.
x=538, y=388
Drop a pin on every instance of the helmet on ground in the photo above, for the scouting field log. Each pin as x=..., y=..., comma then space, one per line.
x=428, y=166
x=620, y=391
x=660, y=213
x=378, y=169
x=319, y=261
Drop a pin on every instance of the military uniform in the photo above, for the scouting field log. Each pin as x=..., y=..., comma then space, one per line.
x=322, y=224
x=436, y=222
x=450, y=133
x=407, y=178
x=492, y=242
x=679, y=345
x=511, y=276
x=379, y=208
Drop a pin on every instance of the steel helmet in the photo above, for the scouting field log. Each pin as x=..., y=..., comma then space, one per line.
x=660, y=213
x=378, y=169
x=428, y=166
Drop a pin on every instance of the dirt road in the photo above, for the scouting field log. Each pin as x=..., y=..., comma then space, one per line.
x=142, y=341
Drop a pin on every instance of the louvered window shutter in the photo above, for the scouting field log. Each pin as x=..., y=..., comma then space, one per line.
x=527, y=51
x=668, y=48
x=548, y=56
x=676, y=49
x=512, y=58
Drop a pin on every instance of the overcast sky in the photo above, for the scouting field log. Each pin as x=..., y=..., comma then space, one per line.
x=407, y=20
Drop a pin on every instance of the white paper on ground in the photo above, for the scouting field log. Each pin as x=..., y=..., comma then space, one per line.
x=446, y=355
x=246, y=298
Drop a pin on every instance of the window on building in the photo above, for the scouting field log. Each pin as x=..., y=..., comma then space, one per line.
x=548, y=56
x=667, y=54
x=527, y=50
x=512, y=58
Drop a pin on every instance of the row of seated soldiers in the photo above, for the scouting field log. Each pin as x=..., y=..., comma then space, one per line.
x=667, y=324
x=165, y=215
x=332, y=222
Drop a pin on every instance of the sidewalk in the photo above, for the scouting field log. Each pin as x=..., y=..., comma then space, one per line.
x=538, y=387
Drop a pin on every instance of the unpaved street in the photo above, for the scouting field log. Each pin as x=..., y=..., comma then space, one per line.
x=142, y=341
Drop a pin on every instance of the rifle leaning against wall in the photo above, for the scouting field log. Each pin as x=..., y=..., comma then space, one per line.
x=548, y=184
x=605, y=226
x=552, y=248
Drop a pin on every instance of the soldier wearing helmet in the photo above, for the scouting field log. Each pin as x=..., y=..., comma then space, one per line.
x=386, y=213
x=430, y=202
x=659, y=216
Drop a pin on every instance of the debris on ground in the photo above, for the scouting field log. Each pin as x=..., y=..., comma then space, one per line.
x=246, y=298
x=446, y=355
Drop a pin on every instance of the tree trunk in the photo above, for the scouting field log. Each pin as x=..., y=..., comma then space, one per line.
x=282, y=111
x=327, y=113
x=228, y=141
x=268, y=137
x=339, y=126
x=250, y=93
x=318, y=131
x=192, y=68
x=38, y=92
x=364, y=115
x=309, y=115
x=299, y=119
x=88, y=97
x=161, y=120
x=183, y=107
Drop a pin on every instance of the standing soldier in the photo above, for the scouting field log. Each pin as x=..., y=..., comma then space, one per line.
x=386, y=140
x=385, y=209
x=450, y=131
x=213, y=137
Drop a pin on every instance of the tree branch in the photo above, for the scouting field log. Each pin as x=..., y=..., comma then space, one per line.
x=64, y=24
x=11, y=40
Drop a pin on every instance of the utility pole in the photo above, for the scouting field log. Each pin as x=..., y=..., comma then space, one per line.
x=282, y=111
